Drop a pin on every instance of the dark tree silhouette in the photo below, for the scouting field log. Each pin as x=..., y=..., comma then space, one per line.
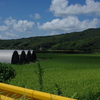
x=29, y=57
x=33, y=56
x=15, y=58
x=23, y=58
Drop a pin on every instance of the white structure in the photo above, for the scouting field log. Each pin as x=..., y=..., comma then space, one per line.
x=6, y=55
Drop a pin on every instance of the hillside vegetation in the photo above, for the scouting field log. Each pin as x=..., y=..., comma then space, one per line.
x=87, y=40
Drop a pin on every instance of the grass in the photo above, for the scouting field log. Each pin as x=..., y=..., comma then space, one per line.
x=76, y=75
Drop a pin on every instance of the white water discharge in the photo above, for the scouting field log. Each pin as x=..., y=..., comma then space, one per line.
x=6, y=55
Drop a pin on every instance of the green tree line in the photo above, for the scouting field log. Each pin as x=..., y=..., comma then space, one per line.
x=87, y=40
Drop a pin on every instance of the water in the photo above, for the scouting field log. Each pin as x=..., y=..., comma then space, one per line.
x=6, y=55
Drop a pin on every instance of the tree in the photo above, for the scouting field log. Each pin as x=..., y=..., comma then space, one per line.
x=15, y=58
x=33, y=56
x=29, y=57
x=23, y=58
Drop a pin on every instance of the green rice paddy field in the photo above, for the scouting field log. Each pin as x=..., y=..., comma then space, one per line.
x=77, y=75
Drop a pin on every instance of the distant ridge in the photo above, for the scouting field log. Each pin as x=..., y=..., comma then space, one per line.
x=85, y=40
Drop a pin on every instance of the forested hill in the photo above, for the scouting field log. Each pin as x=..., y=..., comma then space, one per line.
x=87, y=40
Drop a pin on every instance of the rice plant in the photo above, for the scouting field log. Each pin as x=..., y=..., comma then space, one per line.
x=74, y=73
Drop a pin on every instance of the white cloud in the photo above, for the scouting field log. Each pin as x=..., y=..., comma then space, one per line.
x=69, y=24
x=3, y=28
x=1, y=37
x=9, y=22
x=19, y=26
x=23, y=26
x=53, y=33
x=70, y=21
x=12, y=27
x=61, y=8
x=35, y=16
x=10, y=34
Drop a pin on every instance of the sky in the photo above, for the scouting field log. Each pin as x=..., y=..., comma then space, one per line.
x=29, y=18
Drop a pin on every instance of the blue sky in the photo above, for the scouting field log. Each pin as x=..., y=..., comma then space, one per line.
x=28, y=18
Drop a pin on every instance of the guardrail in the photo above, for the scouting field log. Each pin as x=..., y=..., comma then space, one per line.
x=10, y=92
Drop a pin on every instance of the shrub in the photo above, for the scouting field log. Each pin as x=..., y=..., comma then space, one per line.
x=22, y=58
x=15, y=58
x=29, y=57
x=6, y=72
